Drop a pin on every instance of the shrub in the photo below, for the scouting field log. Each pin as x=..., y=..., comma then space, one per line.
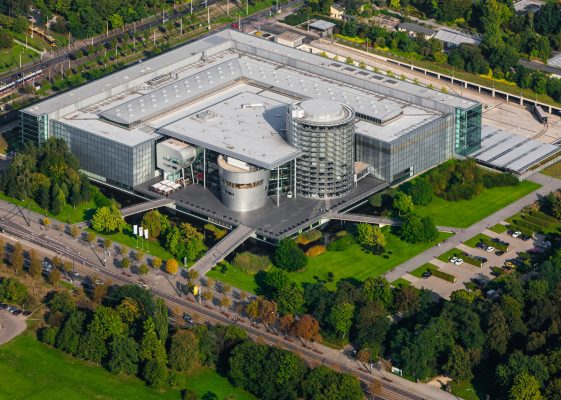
x=536, y=221
x=444, y=275
x=309, y=237
x=217, y=232
x=544, y=216
x=251, y=263
x=289, y=256
x=341, y=244
x=471, y=260
x=316, y=250
x=48, y=335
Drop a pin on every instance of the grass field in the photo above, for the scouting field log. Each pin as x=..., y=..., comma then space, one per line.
x=355, y=262
x=465, y=390
x=553, y=170
x=35, y=371
x=476, y=239
x=401, y=282
x=498, y=228
x=465, y=213
x=10, y=58
x=418, y=272
x=449, y=254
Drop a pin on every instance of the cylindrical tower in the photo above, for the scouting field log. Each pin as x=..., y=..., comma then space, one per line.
x=243, y=186
x=324, y=130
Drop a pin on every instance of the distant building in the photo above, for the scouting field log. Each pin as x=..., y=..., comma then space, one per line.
x=415, y=29
x=552, y=71
x=290, y=39
x=337, y=11
x=452, y=38
x=324, y=28
x=555, y=60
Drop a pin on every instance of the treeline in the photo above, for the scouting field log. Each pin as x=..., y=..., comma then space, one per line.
x=50, y=175
x=130, y=333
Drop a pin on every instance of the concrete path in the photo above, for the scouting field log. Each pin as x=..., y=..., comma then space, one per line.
x=221, y=249
x=146, y=206
x=372, y=219
x=549, y=185
x=10, y=326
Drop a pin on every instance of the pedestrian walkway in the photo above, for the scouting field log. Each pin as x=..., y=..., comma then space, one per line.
x=549, y=185
x=381, y=221
x=146, y=206
x=219, y=252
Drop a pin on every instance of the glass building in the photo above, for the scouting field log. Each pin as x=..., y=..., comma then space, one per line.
x=468, y=130
x=112, y=162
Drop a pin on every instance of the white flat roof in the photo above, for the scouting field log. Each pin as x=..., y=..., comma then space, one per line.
x=509, y=151
x=245, y=126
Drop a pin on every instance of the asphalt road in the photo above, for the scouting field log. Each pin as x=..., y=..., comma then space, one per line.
x=391, y=390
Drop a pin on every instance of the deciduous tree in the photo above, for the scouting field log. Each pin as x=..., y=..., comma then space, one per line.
x=17, y=258
x=184, y=350
x=123, y=355
x=172, y=267
x=289, y=256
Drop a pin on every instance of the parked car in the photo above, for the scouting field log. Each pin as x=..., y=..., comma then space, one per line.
x=482, y=259
x=187, y=318
x=47, y=266
x=17, y=312
x=453, y=260
x=499, y=252
x=459, y=261
x=516, y=234
x=481, y=245
x=26, y=313
x=509, y=264
x=490, y=249
x=525, y=237
x=427, y=274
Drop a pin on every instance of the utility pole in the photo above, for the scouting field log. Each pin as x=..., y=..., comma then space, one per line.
x=247, y=7
x=191, y=6
x=107, y=28
x=208, y=17
x=20, y=60
x=181, y=26
x=154, y=36
x=227, y=8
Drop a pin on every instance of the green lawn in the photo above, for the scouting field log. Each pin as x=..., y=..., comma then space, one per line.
x=498, y=228
x=401, y=282
x=354, y=262
x=465, y=390
x=10, y=58
x=35, y=371
x=465, y=213
x=69, y=213
x=418, y=272
x=476, y=239
x=236, y=278
x=449, y=254
x=358, y=264
x=127, y=238
x=553, y=170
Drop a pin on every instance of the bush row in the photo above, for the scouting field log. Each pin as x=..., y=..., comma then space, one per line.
x=251, y=263
x=536, y=221
x=544, y=216
x=524, y=227
x=498, y=246
x=309, y=237
x=341, y=244
x=471, y=260
x=443, y=275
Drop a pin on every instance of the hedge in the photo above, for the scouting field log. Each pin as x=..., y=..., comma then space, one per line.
x=496, y=245
x=444, y=275
x=536, y=221
x=471, y=260
x=528, y=226
x=251, y=263
x=544, y=216
x=316, y=250
x=515, y=227
x=341, y=244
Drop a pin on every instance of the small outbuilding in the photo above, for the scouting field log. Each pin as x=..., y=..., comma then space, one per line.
x=324, y=28
x=290, y=39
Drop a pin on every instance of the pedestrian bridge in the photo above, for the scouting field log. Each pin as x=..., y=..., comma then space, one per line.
x=146, y=206
x=221, y=249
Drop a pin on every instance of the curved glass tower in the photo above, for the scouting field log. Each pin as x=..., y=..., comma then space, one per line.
x=324, y=130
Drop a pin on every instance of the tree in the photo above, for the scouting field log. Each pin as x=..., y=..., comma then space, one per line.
x=371, y=236
x=421, y=192
x=123, y=355
x=525, y=387
x=69, y=336
x=185, y=241
x=307, y=328
x=107, y=243
x=58, y=200
x=206, y=295
x=324, y=383
x=34, y=264
x=151, y=348
x=155, y=374
x=74, y=231
x=157, y=262
x=458, y=365
x=13, y=291
x=371, y=328
x=143, y=269
x=415, y=229
x=6, y=40
x=128, y=309
x=90, y=237
x=17, y=258
x=402, y=203
x=290, y=299
x=75, y=197
x=275, y=280
x=161, y=323
x=54, y=276
x=225, y=302
x=341, y=318
x=289, y=256
x=183, y=352
x=108, y=219
x=125, y=263
x=172, y=266
x=252, y=309
x=138, y=255
x=376, y=200
x=155, y=222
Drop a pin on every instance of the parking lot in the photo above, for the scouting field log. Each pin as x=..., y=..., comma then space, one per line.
x=12, y=323
x=466, y=272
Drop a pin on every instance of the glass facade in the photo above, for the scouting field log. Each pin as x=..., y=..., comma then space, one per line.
x=118, y=164
x=34, y=128
x=468, y=130
x=411, y=154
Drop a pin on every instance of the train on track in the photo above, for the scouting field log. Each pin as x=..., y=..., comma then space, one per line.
x=22, y=79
